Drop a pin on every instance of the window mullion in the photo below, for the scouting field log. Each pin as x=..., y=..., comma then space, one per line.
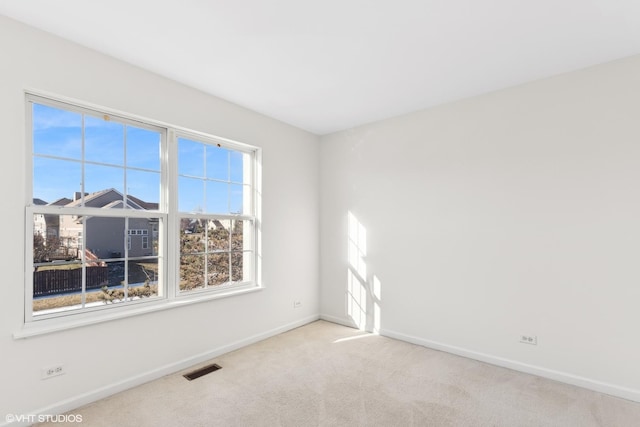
x=231, y=226
x=83, y=259
x=127, y=238
x=124, y=169
x=170, y=200
x=82, y=160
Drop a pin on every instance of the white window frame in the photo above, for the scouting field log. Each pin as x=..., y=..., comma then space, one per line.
x=169, y=294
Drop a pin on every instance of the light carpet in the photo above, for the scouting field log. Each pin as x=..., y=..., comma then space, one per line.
x=324, y=374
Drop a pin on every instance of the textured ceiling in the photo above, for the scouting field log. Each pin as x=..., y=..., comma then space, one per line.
x=334, y=64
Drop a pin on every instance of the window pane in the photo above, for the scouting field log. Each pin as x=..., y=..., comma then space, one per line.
x=105, y=237
x=217, y=163
x=218, y=235
x=190, y=158
x=144, y=187
x=190, y=195
x=137, y=227
x=236, y=198
x=49, y=244
x=57, y=132
x=97, y=275
x=116, y=276
x=144, y=271
x=55, y=179
x=238, y=160
x=104, y=141
x=191, y=272
x=142, y=279
x=57, y=287
x=60, y=278
x=191, y=236
x=237, y=266
x=64, y=237
x=143, y=148
x=99, y=178
x=217, y=197
x=237, y=238
x=154, y=241
x=217, y=269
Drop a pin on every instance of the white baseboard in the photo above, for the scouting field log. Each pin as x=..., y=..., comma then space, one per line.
x=106, y=391
x=339, y=320
x=590, y=384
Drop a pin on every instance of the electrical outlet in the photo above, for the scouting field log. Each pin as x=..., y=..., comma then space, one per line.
x=297, y=304
x=52, y=371
x=529, y=339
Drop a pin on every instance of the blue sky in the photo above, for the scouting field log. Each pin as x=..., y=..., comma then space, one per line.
x=58, y=133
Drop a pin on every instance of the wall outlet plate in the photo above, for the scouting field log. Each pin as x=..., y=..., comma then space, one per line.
x=52, y=371
x=529, y=339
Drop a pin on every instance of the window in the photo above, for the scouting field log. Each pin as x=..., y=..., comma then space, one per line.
x=214, y=205
x=139, y=232
x=111, y=194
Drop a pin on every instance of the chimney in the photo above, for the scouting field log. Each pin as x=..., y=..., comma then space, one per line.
x=77, y=195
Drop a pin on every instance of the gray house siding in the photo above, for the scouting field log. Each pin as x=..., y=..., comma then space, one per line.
x=106, y=237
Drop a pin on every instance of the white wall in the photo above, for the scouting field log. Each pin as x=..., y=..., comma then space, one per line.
x=100, y=356
x=516, y=212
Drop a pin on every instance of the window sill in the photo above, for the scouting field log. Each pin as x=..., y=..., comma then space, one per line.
x=47, y=326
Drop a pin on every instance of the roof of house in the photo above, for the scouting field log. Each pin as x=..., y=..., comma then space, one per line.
x=145, y=205
x=63, y=201
x=110, y=198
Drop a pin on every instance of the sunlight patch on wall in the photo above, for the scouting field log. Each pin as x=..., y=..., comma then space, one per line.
x=356, y=300
x=363, y=294
x=377, y=297
x=357, y=247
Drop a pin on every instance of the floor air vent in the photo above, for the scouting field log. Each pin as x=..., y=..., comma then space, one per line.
x=202, y=371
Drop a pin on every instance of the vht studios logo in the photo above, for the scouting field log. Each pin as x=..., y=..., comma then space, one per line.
x=43, y=418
